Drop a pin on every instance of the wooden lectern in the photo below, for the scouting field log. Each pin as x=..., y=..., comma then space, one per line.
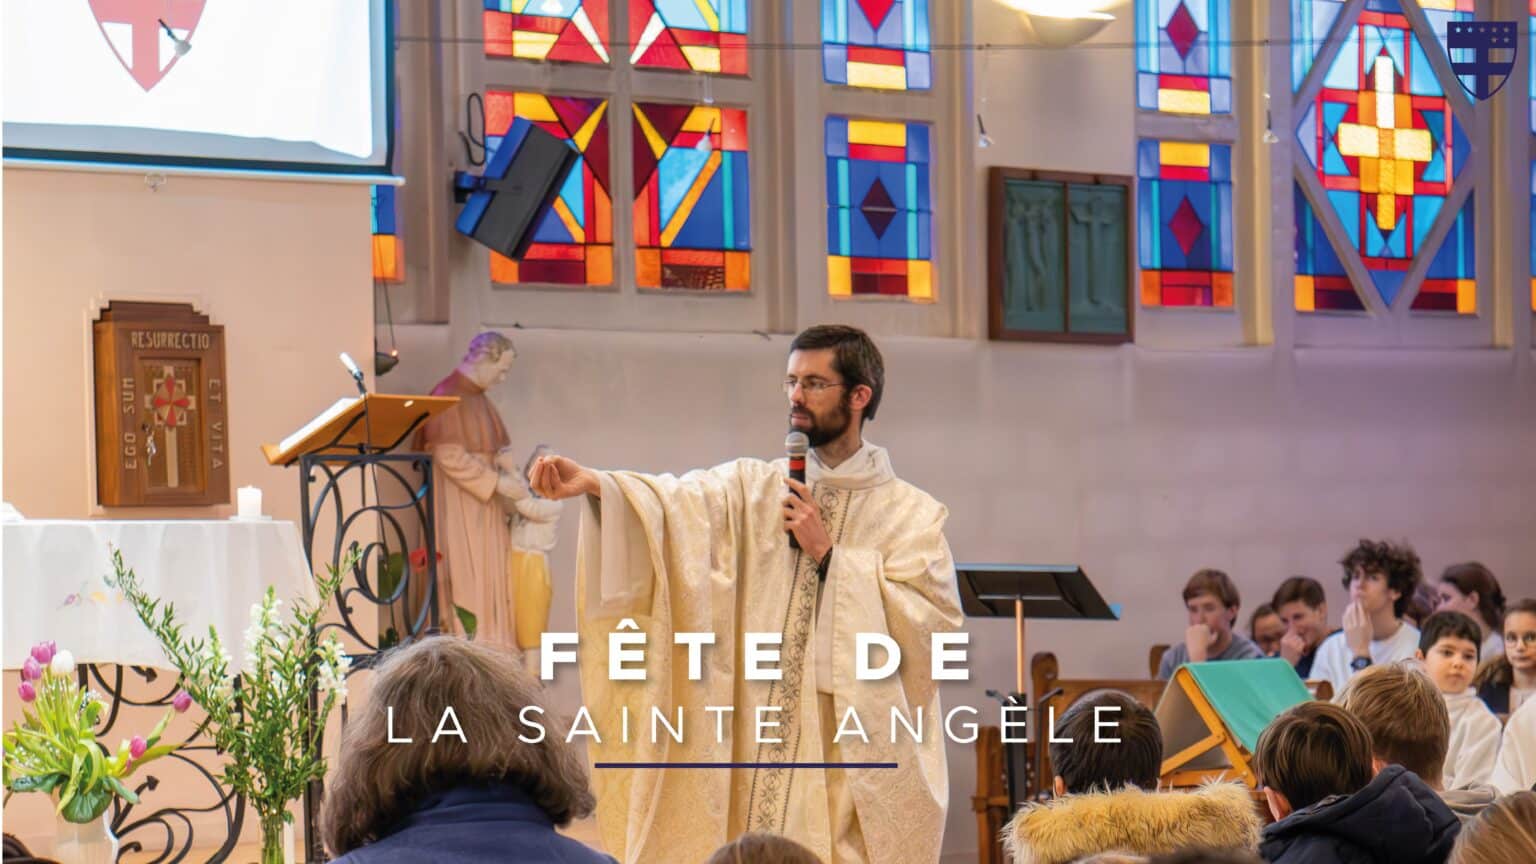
x=377, y=423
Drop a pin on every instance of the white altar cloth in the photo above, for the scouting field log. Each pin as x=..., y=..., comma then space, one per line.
x=54, y=587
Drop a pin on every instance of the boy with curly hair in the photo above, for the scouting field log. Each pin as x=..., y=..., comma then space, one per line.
x=1381, y=577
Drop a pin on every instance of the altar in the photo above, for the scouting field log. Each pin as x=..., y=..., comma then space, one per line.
x=55, y=582
x=55, y=587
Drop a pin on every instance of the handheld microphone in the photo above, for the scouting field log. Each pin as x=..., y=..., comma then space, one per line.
x=796, y=445
x=357, y=374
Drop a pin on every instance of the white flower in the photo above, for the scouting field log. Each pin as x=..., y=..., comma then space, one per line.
x=63, y=663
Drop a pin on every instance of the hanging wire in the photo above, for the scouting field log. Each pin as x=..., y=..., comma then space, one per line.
x=475, y=139
x=983, y=140
x=406, y=39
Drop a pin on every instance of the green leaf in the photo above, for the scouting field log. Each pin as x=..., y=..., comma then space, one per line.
x=44, y=783
x=390, y=639
x=97, y=766
x=88, y=805
x=467, y=620
x=160, y=727
x=122, y=791
x=390, y=571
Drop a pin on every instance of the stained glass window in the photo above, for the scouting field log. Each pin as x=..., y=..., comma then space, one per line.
x=1386, y=150
x=1184, y=223
x=690, y=35
x=692, y=197
x=1450, y=284
x=1321, y=281
x=388, y=254
x=573, y=241
x=1311, y=22
x=1438, y=12
x=876, y=43
x=1184, y=56
x=879, y=211
x=570, y=31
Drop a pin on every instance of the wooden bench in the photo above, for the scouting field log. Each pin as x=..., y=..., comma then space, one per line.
x=991, y=802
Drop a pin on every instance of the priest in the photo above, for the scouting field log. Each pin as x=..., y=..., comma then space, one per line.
x=709, y=552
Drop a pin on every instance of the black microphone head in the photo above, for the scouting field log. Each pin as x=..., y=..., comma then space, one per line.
x=796, y=443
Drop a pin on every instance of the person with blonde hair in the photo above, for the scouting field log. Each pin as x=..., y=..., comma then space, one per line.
x=1409, y=721
x=436, y=767
x=1505, y=833
x=760, y=847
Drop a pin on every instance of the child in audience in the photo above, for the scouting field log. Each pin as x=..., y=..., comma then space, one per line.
x=1507, y=680
x=1448, y=645
x=1212, y=602
x=1381, y=578
x=1302, y=605
x=1411, y=726
x=1315, y=764
x=1505, y=833
x=1266, y=630
x=759, y=848
x=1105, y=782
x=1471, y=589
x=1516, y=767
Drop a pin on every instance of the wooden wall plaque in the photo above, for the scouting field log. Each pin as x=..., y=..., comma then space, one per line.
x=162, y=413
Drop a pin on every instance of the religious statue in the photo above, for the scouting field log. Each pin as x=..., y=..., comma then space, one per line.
x=532, y=536
x=472, y=494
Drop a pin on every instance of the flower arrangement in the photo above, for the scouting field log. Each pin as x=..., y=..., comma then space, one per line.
x=262, y=720
x=53, y=748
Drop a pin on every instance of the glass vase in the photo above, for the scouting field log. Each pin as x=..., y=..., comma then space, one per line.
x=85, y=842
x=272, y=851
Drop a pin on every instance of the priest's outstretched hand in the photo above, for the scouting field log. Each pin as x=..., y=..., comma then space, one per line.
x=557, y=477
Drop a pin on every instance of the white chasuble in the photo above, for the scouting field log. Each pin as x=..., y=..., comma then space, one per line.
x=706, y=552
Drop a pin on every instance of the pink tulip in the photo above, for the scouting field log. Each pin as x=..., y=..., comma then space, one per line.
x=27, y=691
x=43, y=652
x=181, y=701
x=31, y=670
x=136, y=747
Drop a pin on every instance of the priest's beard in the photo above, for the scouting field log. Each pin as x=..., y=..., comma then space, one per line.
x=828, y=425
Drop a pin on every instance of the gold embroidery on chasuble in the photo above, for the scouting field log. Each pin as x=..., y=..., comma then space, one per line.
x=767, y=807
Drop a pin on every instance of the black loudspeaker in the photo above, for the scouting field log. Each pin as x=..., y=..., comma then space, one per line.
x=522, y=179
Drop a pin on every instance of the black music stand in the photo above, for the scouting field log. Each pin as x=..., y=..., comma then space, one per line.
x=1022, y=591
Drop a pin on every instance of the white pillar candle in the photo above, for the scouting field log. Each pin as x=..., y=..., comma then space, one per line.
x=248, y=502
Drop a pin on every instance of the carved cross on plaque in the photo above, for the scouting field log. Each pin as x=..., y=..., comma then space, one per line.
x=161, y=407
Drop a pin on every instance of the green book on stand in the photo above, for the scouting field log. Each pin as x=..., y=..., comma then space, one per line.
x=1212, y=716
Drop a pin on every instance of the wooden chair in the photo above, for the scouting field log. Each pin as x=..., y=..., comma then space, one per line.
x=1155, y=659
x=990, y=802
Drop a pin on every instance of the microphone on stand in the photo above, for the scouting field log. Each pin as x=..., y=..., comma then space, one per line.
x=796, y=445
x=357, y=374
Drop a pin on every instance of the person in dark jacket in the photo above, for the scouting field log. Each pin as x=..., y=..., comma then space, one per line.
x=1314, y=761
x=418, y=783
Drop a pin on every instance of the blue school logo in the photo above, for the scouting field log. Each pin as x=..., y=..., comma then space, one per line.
x=1482, y=54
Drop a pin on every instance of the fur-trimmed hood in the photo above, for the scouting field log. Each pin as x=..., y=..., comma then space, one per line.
x=1220, y=815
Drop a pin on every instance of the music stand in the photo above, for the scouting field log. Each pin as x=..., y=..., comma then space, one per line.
x=1021, y=591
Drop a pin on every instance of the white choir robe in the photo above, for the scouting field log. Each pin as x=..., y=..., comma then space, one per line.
x=1516, y=768
x=1474, y=744
x=706, y=552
